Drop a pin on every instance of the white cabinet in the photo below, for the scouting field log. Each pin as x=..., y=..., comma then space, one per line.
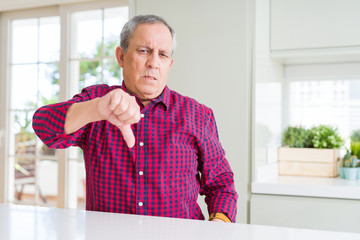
x=305, y=212
x=303, y=29
x=304, y=24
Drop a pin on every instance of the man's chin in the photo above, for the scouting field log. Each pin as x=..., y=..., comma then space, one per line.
x=150, y=93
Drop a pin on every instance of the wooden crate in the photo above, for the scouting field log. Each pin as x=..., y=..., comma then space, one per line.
x=308, y=162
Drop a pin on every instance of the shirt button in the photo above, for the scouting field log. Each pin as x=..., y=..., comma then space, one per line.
x=142, y=115
x=141, y=144
x=140, y=204
x=141, y=173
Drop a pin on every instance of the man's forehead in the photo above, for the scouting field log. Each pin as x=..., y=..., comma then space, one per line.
x=147, y=35
x=152, y=30
x=155, y=24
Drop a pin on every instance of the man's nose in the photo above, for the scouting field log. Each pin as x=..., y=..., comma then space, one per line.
x=153, y=61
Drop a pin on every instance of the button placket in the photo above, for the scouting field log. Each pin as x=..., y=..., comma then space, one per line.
x=140, y=164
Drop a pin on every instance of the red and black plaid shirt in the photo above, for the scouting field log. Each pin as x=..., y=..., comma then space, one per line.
x=177, y=155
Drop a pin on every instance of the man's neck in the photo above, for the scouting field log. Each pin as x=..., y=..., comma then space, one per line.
x=145, y=102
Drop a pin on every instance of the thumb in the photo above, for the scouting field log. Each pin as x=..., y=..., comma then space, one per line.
x=128, y=135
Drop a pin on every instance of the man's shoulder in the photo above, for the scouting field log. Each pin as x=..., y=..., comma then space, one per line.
x=187, y=102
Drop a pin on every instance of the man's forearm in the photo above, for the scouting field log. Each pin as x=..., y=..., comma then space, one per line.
x=80, y=114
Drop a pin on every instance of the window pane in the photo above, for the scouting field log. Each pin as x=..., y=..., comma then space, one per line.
x=24, y=41
x=90, y=74
x=114, y=20
x=21, y=124
x=87, y=34
x=23, y=149
x=33, y=84
x=78, y=176
x=35, y=180
x=24, y=86
x=112, y=72
x=325, y=102
x=47, y=181
x=49, y=41
x=48, y=84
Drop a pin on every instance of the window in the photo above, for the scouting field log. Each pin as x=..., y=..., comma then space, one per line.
x=35, y=55
x=306, y=95
x=41, y=70
x=331, y=102
x=326, y=94
x=95, y=35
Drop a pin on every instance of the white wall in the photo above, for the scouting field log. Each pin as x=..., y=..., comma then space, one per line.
x=268, y=99
x=213, y=65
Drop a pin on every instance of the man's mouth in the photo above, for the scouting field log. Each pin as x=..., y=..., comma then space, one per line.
x=150, y=77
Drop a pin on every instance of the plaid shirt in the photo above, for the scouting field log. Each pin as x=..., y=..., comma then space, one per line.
x=177, y=155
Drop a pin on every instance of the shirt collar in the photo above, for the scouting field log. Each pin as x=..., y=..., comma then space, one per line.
x=164, y=97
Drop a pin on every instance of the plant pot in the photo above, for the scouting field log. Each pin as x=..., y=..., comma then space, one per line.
x=350, y=173
x=341, y=172
x=308, y=162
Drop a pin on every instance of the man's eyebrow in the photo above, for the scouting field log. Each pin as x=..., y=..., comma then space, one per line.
x=164, y=51
x=149, y=48
x=144, y=46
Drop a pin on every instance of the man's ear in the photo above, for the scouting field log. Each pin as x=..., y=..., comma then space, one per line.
x=172, y=61
x=119, y=52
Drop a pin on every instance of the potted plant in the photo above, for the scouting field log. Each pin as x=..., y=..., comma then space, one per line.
x=310, y=152
x=350, y=168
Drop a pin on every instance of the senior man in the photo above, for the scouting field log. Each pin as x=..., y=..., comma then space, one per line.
x=148, y=150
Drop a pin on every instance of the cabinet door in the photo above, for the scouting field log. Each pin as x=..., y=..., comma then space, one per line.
x=302, y=212
x=309, y=24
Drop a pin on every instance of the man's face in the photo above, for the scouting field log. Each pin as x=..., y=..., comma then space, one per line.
x=147, y=62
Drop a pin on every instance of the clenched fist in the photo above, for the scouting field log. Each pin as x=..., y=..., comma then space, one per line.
x=117, y=107
x=122, y=110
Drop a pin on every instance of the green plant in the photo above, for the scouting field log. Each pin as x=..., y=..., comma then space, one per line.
x=346, y=158
x=325, y=136
x=352, y=162
x=295, y=137
x=355, y=149
x=90, y=69
x=355, y=136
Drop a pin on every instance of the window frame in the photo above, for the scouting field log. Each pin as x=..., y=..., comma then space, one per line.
x=65, y=196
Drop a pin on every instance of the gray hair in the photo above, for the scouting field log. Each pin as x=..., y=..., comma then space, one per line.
x=130, y=26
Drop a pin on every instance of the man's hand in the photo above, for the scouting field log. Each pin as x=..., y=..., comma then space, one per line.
x=122, y=110
x=118, y=107
x=216, y=220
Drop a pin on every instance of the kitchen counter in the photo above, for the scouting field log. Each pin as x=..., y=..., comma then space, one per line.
x=29, y=222
x=308, y=187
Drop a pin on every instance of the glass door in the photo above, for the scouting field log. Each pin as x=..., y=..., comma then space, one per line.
x=34, y=76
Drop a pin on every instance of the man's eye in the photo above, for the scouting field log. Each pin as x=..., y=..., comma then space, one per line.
x=143, y=51
x=163, y=55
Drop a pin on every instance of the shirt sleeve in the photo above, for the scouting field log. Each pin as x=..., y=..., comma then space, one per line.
x=49, y=121
x=217, y=178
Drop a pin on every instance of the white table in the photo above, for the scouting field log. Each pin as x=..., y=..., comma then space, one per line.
x=28, y=222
